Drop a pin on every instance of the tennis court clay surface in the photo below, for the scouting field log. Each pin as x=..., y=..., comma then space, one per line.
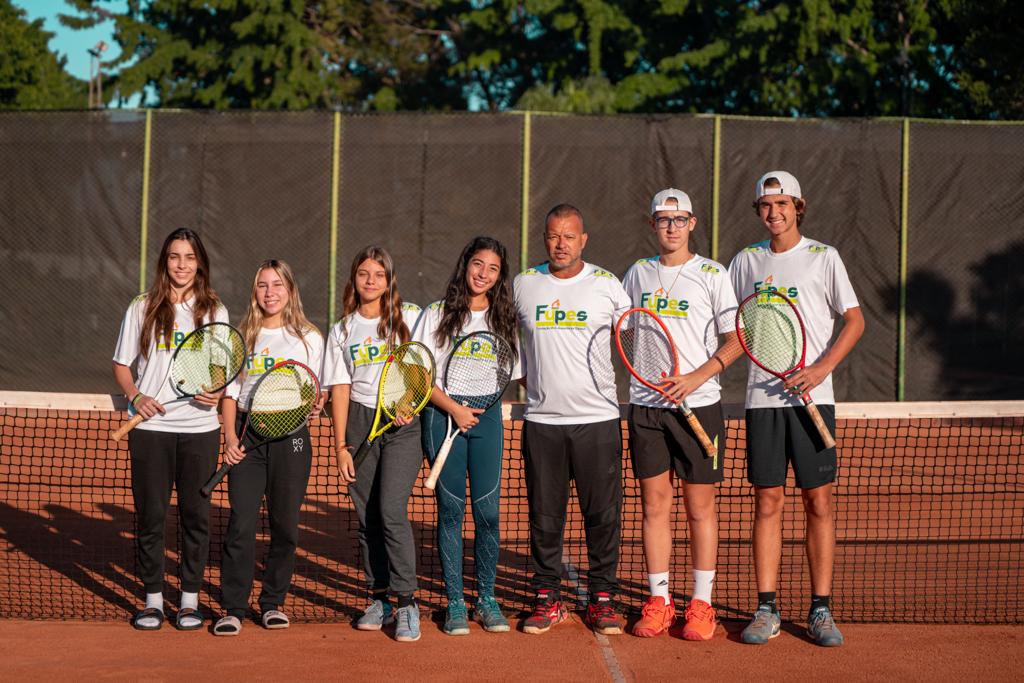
x=38, y=650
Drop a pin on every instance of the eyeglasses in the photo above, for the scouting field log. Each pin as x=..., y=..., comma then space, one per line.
x=663, y=222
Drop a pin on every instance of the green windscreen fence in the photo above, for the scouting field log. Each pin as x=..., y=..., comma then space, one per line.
x=76, y=207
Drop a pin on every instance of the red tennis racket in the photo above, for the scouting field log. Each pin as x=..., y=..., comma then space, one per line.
x=650, y=355
x=772, y=334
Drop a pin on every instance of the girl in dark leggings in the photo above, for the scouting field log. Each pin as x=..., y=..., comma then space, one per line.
x=275, y=330
x=478, y=298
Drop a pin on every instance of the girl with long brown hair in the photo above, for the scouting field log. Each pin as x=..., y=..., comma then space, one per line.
x=374, y=321
x=275, y=329
x=176, y=446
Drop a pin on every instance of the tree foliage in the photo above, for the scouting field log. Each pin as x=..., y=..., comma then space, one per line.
x=32, y=77
x=932, y=58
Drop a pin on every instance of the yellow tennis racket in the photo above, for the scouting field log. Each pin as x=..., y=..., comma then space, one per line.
x=406, y=383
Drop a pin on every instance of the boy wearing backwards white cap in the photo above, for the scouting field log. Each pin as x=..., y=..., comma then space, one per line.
x=778, y=429
x=694, y=298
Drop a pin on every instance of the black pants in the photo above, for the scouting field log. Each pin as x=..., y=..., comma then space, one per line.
x=162, y=461
x=280, y=471
x=592, y=455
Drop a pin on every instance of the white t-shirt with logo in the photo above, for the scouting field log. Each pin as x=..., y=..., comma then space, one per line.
x=696, y=302
x=152, y=373
x=566, y=327
x=427, y=326
x=355, y=354
x=813, y=277
x=272, y=347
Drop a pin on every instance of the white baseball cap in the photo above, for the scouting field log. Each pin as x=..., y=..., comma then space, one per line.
x=787, y=185
x=660, y=201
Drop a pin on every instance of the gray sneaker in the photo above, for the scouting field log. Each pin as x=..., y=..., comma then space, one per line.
x=456, y=622
x=822, y=629
x=408, y=628
x=375, y=616
x=488, y=613
x=765, y=625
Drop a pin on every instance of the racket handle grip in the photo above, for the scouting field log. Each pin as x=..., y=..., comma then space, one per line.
x=435, y=469
x=360, y=456
x=128, y=426
x=826, y=436
x=707, y=444
x=214, y=480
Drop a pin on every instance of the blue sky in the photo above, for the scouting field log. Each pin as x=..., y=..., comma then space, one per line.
x=70, y=43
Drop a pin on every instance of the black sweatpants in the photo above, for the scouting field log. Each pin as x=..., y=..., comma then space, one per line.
x=162, y=461
x=279, y=471
x=591, y=454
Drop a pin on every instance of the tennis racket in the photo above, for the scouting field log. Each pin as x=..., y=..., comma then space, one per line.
x=280, y=404
x=205, y=361
x=772, y=334
x=406, y=383
x=476, y=374
x=651, y=356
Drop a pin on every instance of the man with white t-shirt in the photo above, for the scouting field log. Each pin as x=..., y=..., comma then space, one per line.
x=694, y=299
x=566, y=310
x=779, y=430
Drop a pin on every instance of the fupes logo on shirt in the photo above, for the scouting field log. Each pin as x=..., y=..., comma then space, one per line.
x=261, y=361
x=478, y=349
x=665, y=306
x=553, y=316
x=769, y=288
x=368, y=352
x=177, y=336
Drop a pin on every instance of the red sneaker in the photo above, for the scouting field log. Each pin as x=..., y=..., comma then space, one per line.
x=601, y=616
x=700, y=621
x=656, y=618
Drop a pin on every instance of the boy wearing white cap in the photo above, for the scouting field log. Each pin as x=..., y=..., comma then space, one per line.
x=779, y=431
x=694, y=298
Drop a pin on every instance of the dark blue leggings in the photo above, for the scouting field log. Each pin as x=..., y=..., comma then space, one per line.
x=480, y=452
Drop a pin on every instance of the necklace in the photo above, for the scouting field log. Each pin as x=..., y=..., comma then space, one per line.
x=678, y=273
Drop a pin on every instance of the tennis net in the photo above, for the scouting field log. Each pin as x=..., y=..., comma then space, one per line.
x=930, y=521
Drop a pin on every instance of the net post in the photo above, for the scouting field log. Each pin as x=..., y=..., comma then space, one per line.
x=332, y=265
x=524, y=209
x=144, y=210
x=901, y=342
x=716, y=173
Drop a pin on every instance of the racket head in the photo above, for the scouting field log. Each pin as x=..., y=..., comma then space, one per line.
x=646, y=347
x=207, y=360
x=283, y=399
x=478, y=369
x=406, y=381
x=771, y=332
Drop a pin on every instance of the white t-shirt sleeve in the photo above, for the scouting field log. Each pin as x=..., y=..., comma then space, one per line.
x=723, y=300
x=127, y=349
x=839, y=291
x=336, y=370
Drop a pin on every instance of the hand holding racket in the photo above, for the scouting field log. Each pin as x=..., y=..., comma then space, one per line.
x=772, y=334
x=475, y=375
x=651, y=357
x=205, y=362
x=281, y=403
x=406, y=383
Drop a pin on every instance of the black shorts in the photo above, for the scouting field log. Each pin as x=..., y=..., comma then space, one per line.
x=779, y=436
x=660, y=439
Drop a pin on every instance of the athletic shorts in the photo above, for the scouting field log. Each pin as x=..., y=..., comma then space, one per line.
x=777, y=437
x=661, y=438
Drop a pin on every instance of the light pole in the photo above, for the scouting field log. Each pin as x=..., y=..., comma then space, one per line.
x=96, y=75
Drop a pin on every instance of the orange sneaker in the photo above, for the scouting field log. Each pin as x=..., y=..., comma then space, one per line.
x=656, y=618
x=700, y=621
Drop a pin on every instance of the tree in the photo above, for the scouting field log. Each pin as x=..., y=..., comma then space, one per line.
x=32, y=77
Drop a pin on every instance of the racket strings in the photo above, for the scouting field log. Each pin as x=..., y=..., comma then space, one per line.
x=646, y=347
x=407, y=381
x=207, y=360
x=771, y=334
x=282, y=401
x=478, y=370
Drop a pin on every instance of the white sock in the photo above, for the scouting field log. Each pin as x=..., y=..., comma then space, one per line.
x=702, y=581
x=155, y=600
x=659, y=586
x=189, y=600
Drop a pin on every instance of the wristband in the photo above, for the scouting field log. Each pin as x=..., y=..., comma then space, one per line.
x=720, y=362
x=344, y=447
x=132, y=401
